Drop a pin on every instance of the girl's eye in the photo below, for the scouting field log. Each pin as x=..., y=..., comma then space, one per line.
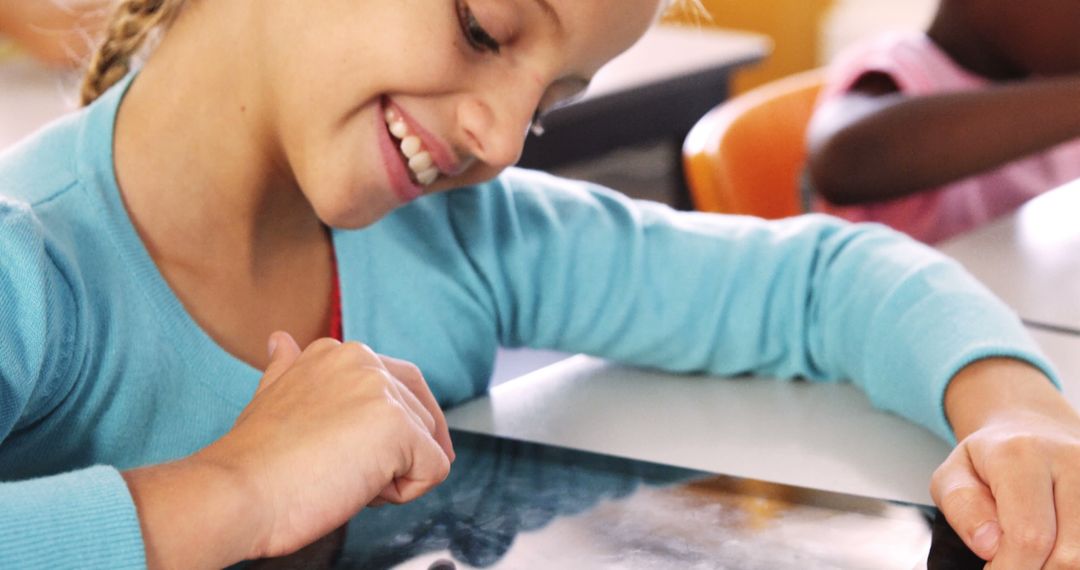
x=474, y=33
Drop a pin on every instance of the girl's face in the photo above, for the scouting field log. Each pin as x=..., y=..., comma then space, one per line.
x=376, y=102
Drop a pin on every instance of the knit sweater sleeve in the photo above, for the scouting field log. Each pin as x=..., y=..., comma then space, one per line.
x=577, y=268
x=84, y=518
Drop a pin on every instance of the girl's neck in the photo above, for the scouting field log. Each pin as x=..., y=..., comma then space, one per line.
x=953, y=32
x=195, y=152
x=207, y=191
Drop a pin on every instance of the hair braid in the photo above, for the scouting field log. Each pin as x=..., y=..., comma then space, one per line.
x=685, y=10
x=131, y=23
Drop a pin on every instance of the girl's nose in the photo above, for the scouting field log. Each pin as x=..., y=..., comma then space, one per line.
x=495, y=127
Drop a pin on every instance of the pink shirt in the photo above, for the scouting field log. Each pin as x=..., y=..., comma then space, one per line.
x=919, y=67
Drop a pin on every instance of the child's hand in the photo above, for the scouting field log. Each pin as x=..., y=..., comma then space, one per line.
x=1011, y=488
x=329, y=430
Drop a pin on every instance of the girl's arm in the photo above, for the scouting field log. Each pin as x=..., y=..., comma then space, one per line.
x=579, y=269
x=83, y=517
x=876, y=143
x=301, y=459
x=572, y=267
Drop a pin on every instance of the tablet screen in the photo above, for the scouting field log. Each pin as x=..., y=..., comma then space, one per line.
x=516, y=505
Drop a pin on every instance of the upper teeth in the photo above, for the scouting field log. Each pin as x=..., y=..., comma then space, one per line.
x=420, y=161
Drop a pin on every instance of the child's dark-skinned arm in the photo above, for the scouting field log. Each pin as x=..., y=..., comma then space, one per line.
x=877, y=144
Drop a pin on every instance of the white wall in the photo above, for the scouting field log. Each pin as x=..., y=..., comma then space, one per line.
x=854, y=20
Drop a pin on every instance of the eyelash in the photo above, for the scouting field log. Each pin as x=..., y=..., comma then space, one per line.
x=474, y=33
x=482, y=42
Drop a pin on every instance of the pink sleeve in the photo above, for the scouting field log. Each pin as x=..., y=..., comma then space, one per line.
x=910, y=59
x=918, y=67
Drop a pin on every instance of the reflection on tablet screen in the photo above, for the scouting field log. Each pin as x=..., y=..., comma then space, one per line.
x=509, y=504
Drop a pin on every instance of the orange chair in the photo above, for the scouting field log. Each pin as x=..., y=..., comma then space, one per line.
x=746, y=155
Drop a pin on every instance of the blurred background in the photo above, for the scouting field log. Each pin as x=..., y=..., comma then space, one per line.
x=805, y=34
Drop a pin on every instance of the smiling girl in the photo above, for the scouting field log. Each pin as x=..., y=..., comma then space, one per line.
x=261, y=172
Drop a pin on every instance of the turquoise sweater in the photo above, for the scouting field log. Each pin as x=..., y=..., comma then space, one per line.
x=102, y=369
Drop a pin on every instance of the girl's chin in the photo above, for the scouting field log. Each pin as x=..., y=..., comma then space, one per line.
x=342, y=215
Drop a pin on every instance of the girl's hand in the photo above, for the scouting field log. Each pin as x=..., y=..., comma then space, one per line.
x=1011, y=488
x=328, y=431
x=408, y=374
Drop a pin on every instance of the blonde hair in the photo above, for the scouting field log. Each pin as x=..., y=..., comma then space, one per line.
x=692, y=11
x=131, y=24
x=134, y=22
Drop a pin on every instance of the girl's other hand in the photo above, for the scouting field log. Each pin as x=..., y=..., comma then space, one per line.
x=329, y=430
x=1011, y=488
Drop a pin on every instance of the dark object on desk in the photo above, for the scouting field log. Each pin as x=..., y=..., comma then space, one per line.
x=662, y=112
x=442, y=564
x=948, y=551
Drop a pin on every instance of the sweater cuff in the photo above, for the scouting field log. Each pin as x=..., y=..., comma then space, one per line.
x=84, y=518
x=963, y=328
x=1032, y=357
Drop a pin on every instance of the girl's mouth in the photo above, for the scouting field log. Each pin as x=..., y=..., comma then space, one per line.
x=421, y=166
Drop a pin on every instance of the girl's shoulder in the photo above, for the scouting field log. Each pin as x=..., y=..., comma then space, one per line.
x=43, y=165
x=53, y=186
x=42, y=232
x=525, y=189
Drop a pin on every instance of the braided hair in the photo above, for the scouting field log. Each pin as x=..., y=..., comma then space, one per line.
x=132, y=22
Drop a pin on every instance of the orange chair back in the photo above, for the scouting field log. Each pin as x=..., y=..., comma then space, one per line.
x=746, y=155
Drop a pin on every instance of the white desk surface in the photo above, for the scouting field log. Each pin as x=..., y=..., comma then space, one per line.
x=1031, y=259
x=821, y=436
x=665, y=52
